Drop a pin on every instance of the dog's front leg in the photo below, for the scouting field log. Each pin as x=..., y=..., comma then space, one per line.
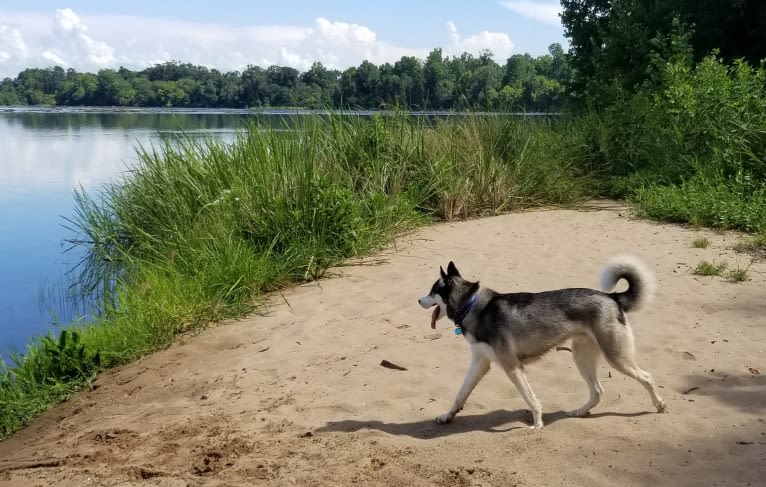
x=519, y=379
x=478, y=369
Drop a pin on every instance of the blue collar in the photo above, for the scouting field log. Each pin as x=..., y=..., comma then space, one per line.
x=464, y=312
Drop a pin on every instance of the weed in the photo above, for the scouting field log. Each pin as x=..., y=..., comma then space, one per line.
x=706, y=268
x=701, y=243
x=737, y=275
x=755, y=246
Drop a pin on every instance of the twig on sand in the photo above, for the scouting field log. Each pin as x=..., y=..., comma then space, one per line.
x=389, y=365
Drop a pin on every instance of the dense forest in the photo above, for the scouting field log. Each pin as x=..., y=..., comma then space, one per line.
x=524, y=83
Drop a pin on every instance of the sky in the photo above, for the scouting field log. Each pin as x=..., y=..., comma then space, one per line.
x=89, y=35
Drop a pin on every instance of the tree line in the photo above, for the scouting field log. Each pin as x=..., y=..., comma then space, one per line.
x=440, y=82
x=621, y=47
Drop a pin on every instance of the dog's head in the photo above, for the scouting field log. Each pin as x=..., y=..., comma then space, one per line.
x=448, y=294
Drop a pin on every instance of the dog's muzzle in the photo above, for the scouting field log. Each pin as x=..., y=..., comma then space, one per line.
x=428, y=302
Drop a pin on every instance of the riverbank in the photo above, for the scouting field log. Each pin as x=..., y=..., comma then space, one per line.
x=297, y=394
x=198, y=230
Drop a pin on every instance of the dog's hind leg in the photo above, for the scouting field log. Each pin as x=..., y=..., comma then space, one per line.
x=519, y=379
x=586, y=353
x=631, y=369
x=621, y=353
x=478, y=369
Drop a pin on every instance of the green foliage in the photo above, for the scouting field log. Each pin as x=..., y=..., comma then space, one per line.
x=50, y=371
x=701, y=243
x=737, y=275
x=755, y=245
x=706, y=268
x=62, y=360
x=622, y=45
x=439, y=82
x=692, y=151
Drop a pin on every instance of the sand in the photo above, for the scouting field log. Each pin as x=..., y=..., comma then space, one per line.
x=297, y=395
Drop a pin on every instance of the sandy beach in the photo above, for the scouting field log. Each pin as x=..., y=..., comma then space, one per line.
x=297, y=395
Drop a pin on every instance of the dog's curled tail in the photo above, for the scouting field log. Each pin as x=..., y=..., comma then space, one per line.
x=640, y=281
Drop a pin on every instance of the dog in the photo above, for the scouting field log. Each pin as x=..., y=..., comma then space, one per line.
x=514, y=329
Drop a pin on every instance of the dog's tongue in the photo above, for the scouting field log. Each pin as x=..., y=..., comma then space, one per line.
x=434, y=317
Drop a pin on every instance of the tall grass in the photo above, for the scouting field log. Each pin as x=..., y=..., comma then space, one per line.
x=200, y=230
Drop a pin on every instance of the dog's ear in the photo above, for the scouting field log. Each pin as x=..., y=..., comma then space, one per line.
x=452, y=270
x=444, y=275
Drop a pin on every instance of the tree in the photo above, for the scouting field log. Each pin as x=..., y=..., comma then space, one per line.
x=410, y=87
x=144, y=92
x=347, y=93
x=319, y=86
x=735, y=28
x=169, y=94
x=518, y=69
x=112, y=89
x=623, y=44
x=252, y=86
x=79, y=90
x=8, y=93
x=437, y=81
x=366, y=79
x=484, y=81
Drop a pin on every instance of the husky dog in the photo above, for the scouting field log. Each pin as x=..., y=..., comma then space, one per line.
x=514, y=329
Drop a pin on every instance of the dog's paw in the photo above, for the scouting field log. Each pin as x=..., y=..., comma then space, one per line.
x=536, y=427
x=578, y=413
x=445, y=418
x=662, y=407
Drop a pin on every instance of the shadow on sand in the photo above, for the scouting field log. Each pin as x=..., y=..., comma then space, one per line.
x=499, y=421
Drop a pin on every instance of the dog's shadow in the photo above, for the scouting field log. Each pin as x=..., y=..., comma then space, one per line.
x=499, y=421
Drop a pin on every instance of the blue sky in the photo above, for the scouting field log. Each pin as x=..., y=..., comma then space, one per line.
x=89, y=35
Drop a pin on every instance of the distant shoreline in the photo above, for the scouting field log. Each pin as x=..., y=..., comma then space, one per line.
x=250, y=111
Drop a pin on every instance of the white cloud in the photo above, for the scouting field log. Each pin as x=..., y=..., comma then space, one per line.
x=498, y=43
x=93, y=42
x=547, y=13
x=12, y=45
x=74, y=46
x=53, y=58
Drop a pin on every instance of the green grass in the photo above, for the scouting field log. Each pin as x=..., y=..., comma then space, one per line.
x=720, y=269
x=706, y=268
x=737, y=275
x=701, y=243
x=200, y=231
x=755, y=246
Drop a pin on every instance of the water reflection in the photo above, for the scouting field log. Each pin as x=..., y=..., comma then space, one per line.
x=43, y=157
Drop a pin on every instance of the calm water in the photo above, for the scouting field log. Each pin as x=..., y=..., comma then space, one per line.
x=44, y=155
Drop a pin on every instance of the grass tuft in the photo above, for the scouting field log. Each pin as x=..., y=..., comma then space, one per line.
x=701, y=243
x=706, y=268
x=755, y=246
x=737, y=275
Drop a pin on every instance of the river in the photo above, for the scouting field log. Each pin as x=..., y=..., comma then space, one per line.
x=44, y=155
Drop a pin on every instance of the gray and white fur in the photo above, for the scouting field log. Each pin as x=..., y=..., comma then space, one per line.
x=512, y=330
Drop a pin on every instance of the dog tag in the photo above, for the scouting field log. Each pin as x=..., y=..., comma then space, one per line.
x=458, y=331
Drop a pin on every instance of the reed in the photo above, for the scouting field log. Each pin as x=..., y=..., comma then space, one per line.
x=200, y=230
